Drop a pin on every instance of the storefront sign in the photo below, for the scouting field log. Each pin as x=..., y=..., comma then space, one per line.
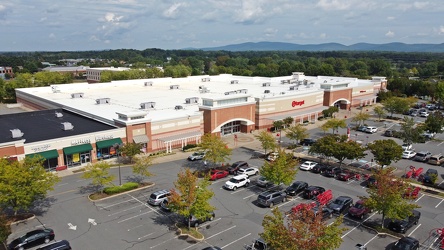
x=104, y=137
x=41, y=148
x=362, y=91
x=297, y=103
x=80, y=141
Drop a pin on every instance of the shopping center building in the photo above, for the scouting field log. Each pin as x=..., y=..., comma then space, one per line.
x=167, y=113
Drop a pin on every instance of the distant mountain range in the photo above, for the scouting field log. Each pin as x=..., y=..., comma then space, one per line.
x=279, y=46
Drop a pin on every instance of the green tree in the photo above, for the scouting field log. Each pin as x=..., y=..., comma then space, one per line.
x=435, y=122
x=385, y=151
x=23, y=182
x=386, y=196
x=301, y=230
x=282, y=170
x=379, y=111
x=141, y=166
x=360, y=118
x=396, y=105
x=130, y=150
x=324, y=146
x=439, y=93
x=334, y=124
x=347, y=149
x=330, y=111
x=288, y=121
x=191, y=196
x=296, y=132
x=267, y=140
x=410, y=132
x=5, y=229
x=217, y=151
x=99, y=174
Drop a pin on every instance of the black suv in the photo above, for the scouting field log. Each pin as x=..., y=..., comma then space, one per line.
x=401, y=226
x=319, y=168
x=296, y=187
x=332, y=171
x=404, y=243
x=234, y=168
x=312, y=191
x=270, y=198
x=308, y=142
x=389, y=133
x=430, y=176
x=341, y=204
x=326, y=212
x=194, y=222
x=32, y=238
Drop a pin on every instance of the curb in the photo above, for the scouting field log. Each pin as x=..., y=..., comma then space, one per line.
x=193, y=239
x=20, y=221
x=115, y=195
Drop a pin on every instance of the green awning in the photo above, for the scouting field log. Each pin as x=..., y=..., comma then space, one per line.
x=108, y=143
x=77, y=149
x=50, y=154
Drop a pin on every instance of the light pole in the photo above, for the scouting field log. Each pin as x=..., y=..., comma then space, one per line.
x=117, y=148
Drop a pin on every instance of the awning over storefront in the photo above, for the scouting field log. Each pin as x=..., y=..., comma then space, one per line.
x=108, y=143
x=50, y=154
x=139, y=139
x=77, y=149
x=367, y=100
x=183, y=138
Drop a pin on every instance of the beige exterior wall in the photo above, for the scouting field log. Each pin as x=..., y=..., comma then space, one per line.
x=274, y=106
x=358, y=92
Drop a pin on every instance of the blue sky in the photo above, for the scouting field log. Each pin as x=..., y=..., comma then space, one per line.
x=55, y=25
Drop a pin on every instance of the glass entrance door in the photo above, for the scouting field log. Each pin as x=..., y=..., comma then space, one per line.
x=231, y=128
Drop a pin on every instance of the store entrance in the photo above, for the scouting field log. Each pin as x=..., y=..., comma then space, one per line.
x=231, y=128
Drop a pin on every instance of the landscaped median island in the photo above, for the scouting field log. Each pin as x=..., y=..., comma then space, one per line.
x=190, y=234
x=116, y=190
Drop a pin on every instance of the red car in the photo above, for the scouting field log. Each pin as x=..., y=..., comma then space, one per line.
x=345, y=176
x=359, y=210
x=217, y=174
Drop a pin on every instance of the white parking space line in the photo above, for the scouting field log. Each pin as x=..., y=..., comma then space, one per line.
x=419, y=198
x=163, y=242
x=282, y=204
x=414, y=229
x=370, y=240
x=80, y=180
x=220, y=180
x=132, y=217
x=351, y=230
x=211, y=236
x=248, y=196
x=440, y=143
x=135, y=227
x=63, y=184
x=439, y=203
x=236, y=241
x=124, y=210
x=145, y=204
x=144, y=236
x=350, y=181
x=441, y=183
x=239, y=190
x=115, y=204
x=209, y=222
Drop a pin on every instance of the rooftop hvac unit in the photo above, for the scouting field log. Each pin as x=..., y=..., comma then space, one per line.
x=58, y=114
x=230, y=92
x=285, y=81
x=282, y=93
x=205, y=79
x=178, y=107
x=147, y=105
x=67, y=126
x=242, y=91
x=267, y=91
x=148, y=83
x=293, y=88
x=55, y=89
x=203, y=89
x=103, y=100
x=174, y=86
x=235, y=82
x=266, y=84
x=77, y=95
x=191, y=100
x=16, y=133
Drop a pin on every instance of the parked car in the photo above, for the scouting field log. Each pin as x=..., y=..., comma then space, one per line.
x=32, y=239
x=199, y=155
x=424, y=114
x=272, y=156
x=319, y=168
x=371, y=130
x=194, y=222
x=388, y=133
x=164, y=206
x=436, y=159
x=430, y=106
x=371, y=181
x=312, y=191
x=263, y=182
x=308, y=165
x=308, y=142
x=235, y=167
x=270, y=198
x=237, y=182
x=325, y=212
x=360, y=164
x=345, y=175
x=59, y=245
x=218, y=174
x=414, y=113
x=248, y=171
x=157, y=197
x=359, y=210
x=296, y=187
x=332, y=171
x=406, y=243
x=423, y=156
x=341, y=204
x=362, y=128
x=408, y=154
x=407, y=146
x=430, y=176
x=212, y=248
x=401, y=226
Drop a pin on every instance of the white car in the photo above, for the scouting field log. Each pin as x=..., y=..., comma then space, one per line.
x=248, y=171
x=237, y=182
x=424, y=114
x=408, y=154
x=196, y=156
x=406, y=146
x=308, y=165
x=272, y=156
x=371, y=130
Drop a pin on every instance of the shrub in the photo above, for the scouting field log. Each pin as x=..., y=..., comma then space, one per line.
x=188, y=146
x=119, y=189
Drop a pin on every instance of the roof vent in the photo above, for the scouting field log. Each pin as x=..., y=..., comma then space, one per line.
x=174, y=86
x=191, y=100
x=293, y=88
x=77, y=95
x=178, y=107
x=103, y=101
x=58, y=114
x=203, y=89
x=16, y=133
x=148, y=83
x=282, y=93
x=242, y=91
x=285, y=81
x=267, y=91
x=235, y=82
x=230, y=92
x=147, y=105
x=55, y=89
x=67, y=126
x=266, y=84
x=205, y=79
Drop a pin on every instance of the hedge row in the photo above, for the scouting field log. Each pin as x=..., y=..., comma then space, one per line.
x=119, y=189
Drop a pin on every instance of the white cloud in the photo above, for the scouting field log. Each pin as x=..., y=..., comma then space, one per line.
x=270, y=32
x=172, y=11
x=323, y=36
x=420, y=5
x=334, y=4
x=390, y=34
x=441, y=30
x=390, y=18
x=52, y=36
x=250, y=11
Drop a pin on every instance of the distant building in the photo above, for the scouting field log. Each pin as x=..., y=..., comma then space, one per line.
x=6, y=70
x=75, y=71
x=47, y=64
x=93, y=75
